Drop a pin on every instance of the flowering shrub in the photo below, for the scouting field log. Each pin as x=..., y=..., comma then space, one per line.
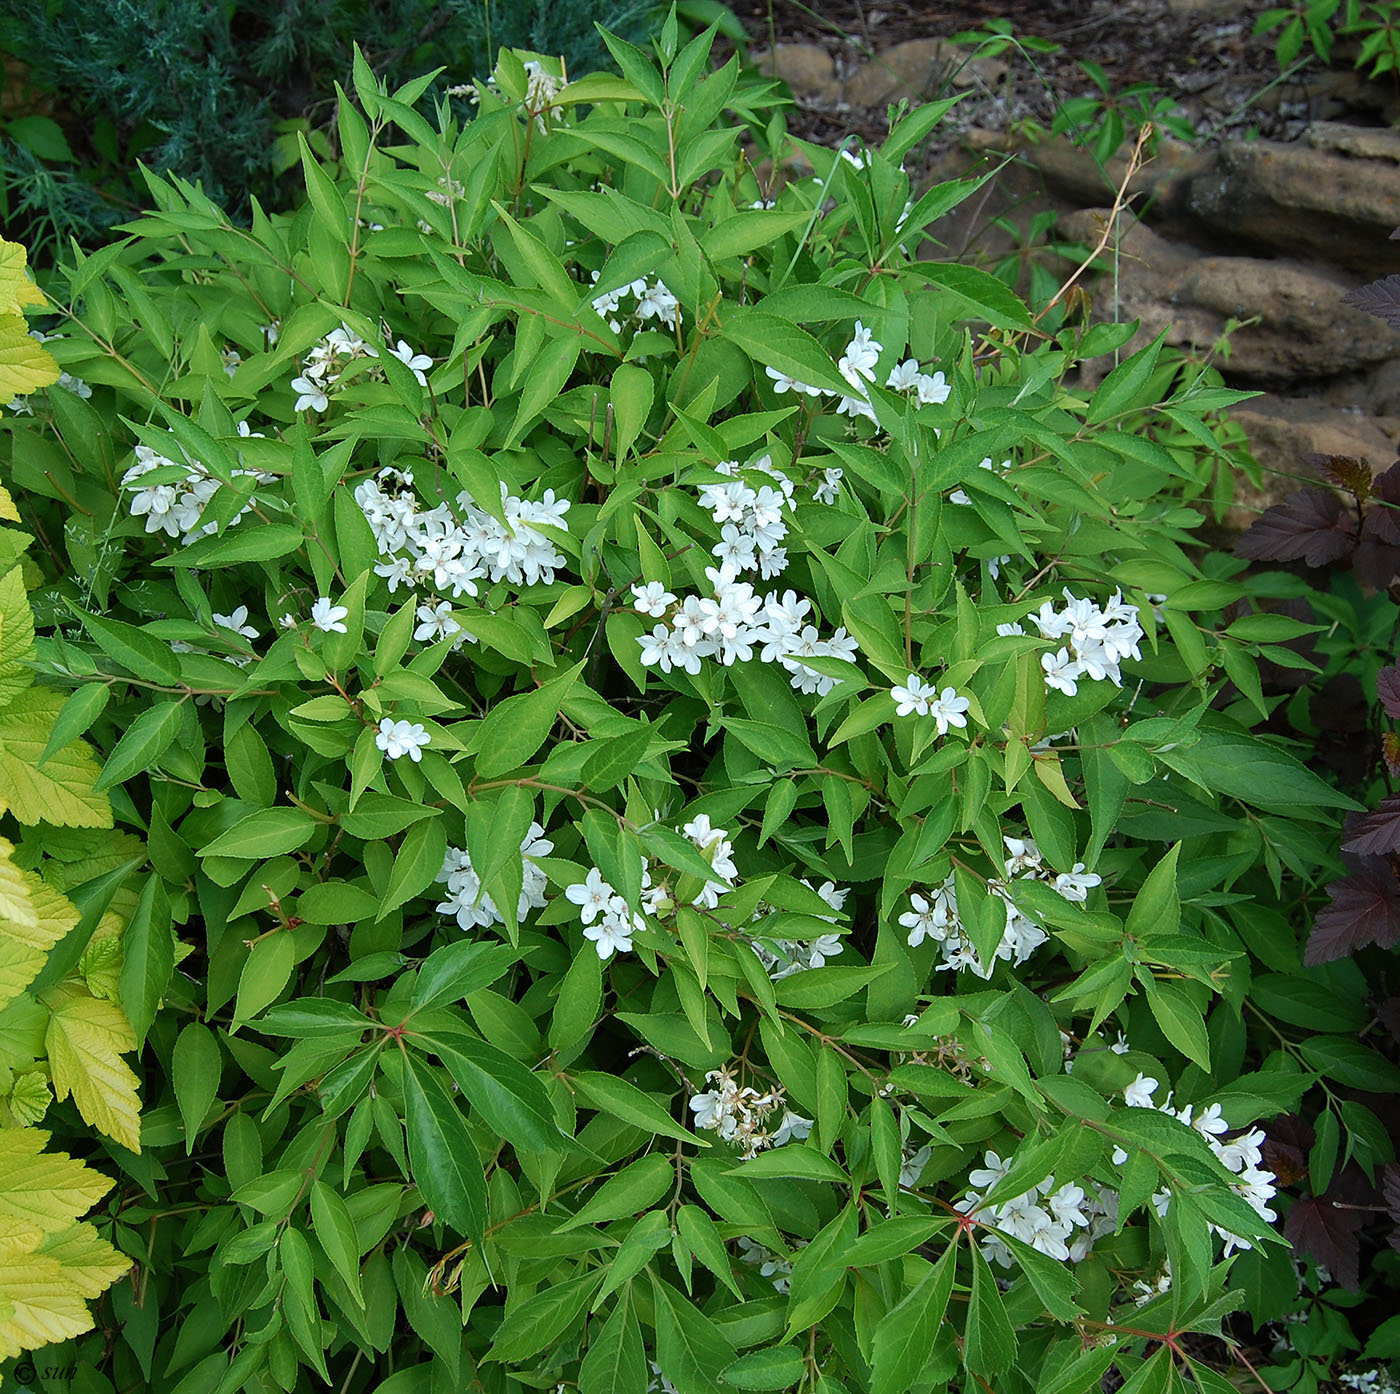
x=702, y=778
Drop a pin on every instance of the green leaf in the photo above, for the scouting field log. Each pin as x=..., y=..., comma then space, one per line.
x=632, y=392
x=443, y=1156
x=989, y=1345
x=621, y=1099
x=263, y=542
x=510, y=1097
x=1122, y=389
x=1156, y=909
x=692, y=1351
x=267, y=970
x=456, y=970
x=417, y=864
x=1179, y=1017
x=904, y=1336
x=538, y=1321
x=148, y=957
x=775, y=1367
x=194, y=1074
x=269, y=832
x=80, y=710
x=141, y=744
x=981, y=294
x=615, y=1361
x=638, y=1186
x=335, y=1229
x=778, y=343
x=137, y=651
x=516, y=728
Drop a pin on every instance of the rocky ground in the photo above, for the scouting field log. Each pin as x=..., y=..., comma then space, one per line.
x=1283, y=198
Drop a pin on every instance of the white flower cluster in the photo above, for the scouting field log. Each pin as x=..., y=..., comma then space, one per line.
x=1062, y=1221
x=1096, y=640
x=399, y=738
x=781, y=958
x=751, y=522
x=735, y=620
x=733, y=623
x=176, y=507
x=616, y=924
x=322, y=368
x=452, y=550
x=775, y=1268
x=654, y=301
x=857, y=366
x=541, y=88
x=918, y=698
x=1240, y=1155
x=471, y=905
x=1377, y=1381
x=935, y=912
x=743, y=1115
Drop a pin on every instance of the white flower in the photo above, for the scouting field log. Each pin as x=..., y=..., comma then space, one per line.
x=612, y=934
x=1139, y=1093
x=830, y=488
x=416, y=362
x=592, y=895
x=1076, y=883
x=989, y=1173
x=783, y=383
x=238, y=622
x=327, y=617
x=903, y=376
x=436, y=622
x=312, y=394
x=653, y=599
x=288, y=621
x=396, y=738
x=792, y=1126
x=1061, y=671
x=913, y=697
x=949, y=710
x=933, y=391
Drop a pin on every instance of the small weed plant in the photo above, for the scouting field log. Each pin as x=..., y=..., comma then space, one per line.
x=692, y=813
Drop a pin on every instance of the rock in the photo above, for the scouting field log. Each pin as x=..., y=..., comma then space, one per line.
x=1304, y=331
x=1283, y=432
x=913, y=69
x=807, y=68
x=1364, y=142
x=1299, y=201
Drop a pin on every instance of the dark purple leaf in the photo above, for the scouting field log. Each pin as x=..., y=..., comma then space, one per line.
x=1286, y=1148
x=1390, y=1189
x=1388, y=690
x=1365, y=909
x=1380, y=298
x=1383, y=514
x=1378, y=832
x=1308, y=525
x=1323, y=1232
x=1344, y=471
x=1375, y=563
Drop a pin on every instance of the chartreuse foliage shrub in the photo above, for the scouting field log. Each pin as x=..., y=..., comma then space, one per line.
x=62, y=1030
x=706, y=783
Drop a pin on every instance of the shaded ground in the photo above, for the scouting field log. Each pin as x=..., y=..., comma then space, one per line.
x=1201, y=53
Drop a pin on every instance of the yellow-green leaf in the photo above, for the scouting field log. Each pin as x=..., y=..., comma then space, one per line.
x=62, y=792
x=86, y=1038
x=16, y=289
x=25, y=365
